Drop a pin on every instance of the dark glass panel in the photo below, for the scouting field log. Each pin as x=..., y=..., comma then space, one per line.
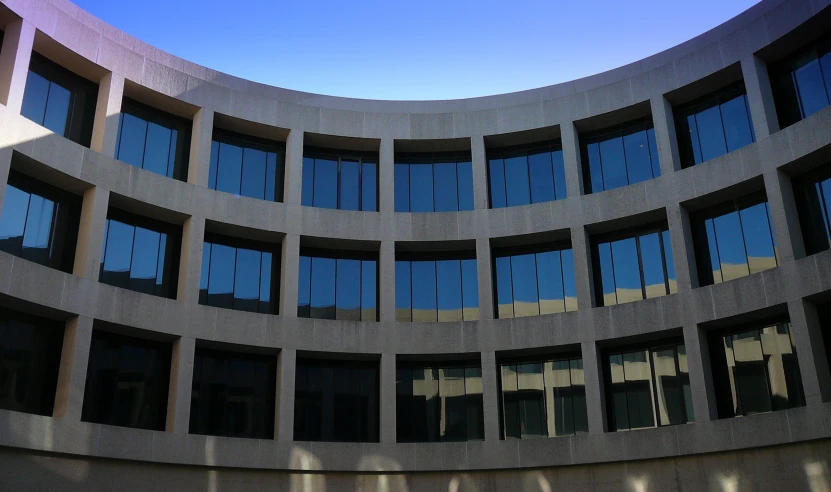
x=504, y=288
x=265, y=283
x=13, y=220
x=578, y=391
x=712, y=247
x=613, y=162
x=369, y=290
x=350, y=185
x=274, y=177
x=157, y=150
x=731, y=247
x=569, y=279
x=131, y=137
x=326, y=183
x=758, y=238
x=221, y=278
x=559, y=174
x=695, y=142
x=558, y=398
x=253, y=174
x=402, y=188
x=465, y=183
x=738, y=130
x=445, y=187
x=348, y=290
x=669, y=262
x=424, y=291
x=58, y=109
x=607, y=274
x=39, y=222
x=35, y=96
x=524, y=277
x=308, y=181
x=638, y=159
x=550, y=282
x=595, y=167
x=475, y=414
x=145, y=261
x=512, y=426
x=205, y=273
x=214, y=169
x=118, y=254
x=653, y=265
x=541, y=174
x=403, y=307
x=668, y=388
x=531, y=400
x=620, y=407
x=247, y=280
x=497, y=182
x=811, y=87
x=304, y=287
x=710, y=133
x=516, y=181
x=653, y=152
x=421, y=188
x=404, y=431
x=638, y=376
x=323, y=288
x=369, y=187
x=470, y=290
x=449, y=290
x=628, y=286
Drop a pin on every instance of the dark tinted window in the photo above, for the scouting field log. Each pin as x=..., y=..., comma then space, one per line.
x=30, y=357
x=39, y=222
x=619, y=156
x=340, y=179
x=534, y=280
x=140, y=254
x=439, y=402
x=247, y=166
x=233, y=394
x=153, y=140
x=336, y=401
x=59, y=100
x=240, y=274
x=802, y=82
x=648, y=387
x=438, y=287
x=714, y=125
x=527, y=174
x=813, y=197
x=441, y=182
x=127, y=382
x=338, y=285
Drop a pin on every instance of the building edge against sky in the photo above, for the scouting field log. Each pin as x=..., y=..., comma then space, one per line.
x=620, y=282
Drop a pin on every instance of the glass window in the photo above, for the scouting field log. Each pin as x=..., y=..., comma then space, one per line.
x=648, y=387
x=338, y=286
x=813, y=199
x=59, y=100
x=233, y=394
x=240, y=274
x=534, y=281
x=140, y=254
x=441, y=182
x=340, y=179
x=619, y=156
x=734, y=240
x=127, y=382
x=159, y=142
x=247, y=166
x=543, y=398
x=634, y=266
x=39, y=222
x=442, y=287
x=802, y=81
x=336, y=401
x=30, y=357
x=438, y=402
x=526, y=174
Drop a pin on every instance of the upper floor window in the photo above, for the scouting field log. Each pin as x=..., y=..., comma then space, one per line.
x=30, y=356
x=534, y=280
x=338, y=285
x=340, y=179
x=734, y=240
x=543, y=398
x=649, y=387
x=813, y=198
x=140, y=254
x=619, y=156
x=439, y=402
x=802, y=82
x=441, y=182
x=59, y=100
x=527, y=174
x=437, y=287
x=153, y=140
x=247, y=166
x=39, y=222
x=632, y=266
x=755, y=370
x=714, y=125
x=240, y=274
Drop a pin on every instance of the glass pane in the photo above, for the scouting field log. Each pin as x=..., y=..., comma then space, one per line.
x=273, y=178
x=524, y=275
x=627, y=275
x=653, y=152
x=308, y=183
x=811, y=88
x=686, y=390
x=35, y=96
x=143, y=270
x=304, y=285
x=653, y=265
x=205, y=273
x=595, y=167
x=221, y=281
x=449, y=285
x=569, y=279
x=402, y=291
x=712, y=247
x=119, y=252
x=667, y=387
x=369, y=187
x=550, y=282
x=424, y=291
x=619, y=404
x=559, y=174
x=638, y=372
x=497, y=183
x=445, y=187
x=728, y=232
x=578, y=391
x=247, y=280
x=607, y=274
x=348, y=295
x=465, y=183
x=402, y=188
x=531, y=400
x=265, y=283
x=542, y=177
x=38, y=227
x=253, y=174
x=694, y=139
x=326, y=183
x=758, y=238
x=475, y=413
x=453, y=404
x=421, y=188
x=57, y=109
x=669, y=263
x=323, y=288
x=131, y=138
x=737, y=129
x=638, y=162
x=470, y=290
x=426, y=404
x=229, y=169
x=349, y=185
x=710, y=133
x=558, y=398
x=157, y=150
x=613, y=162
x=747, y=364
x=214, y=170
x=13, y=219
x=369, y=294
x=504, y=288
x=404, y=405
x=516, y=181
x=782, y=367
x=510, y=402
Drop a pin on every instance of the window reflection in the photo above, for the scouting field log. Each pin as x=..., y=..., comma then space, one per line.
x=338, y=285
x=156, y=141
x=440, y=182
x=340, y=179
x=526, y=174
x=802, y=81
x=247, y=166
x=436, y=287
x=619, y=156
x=813, y=198
x=534, y=280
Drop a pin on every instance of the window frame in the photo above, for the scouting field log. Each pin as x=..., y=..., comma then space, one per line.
x=244, y=141
x=432, y=159
x=811, y=220
x=435, y=257
x=362, y=157
x=620, y=130
x=789, y=105
x=360, y=255
x=524, y=150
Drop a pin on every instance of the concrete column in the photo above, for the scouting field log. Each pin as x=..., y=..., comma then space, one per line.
x=701, y=373
x=667, y=140
x=490, y=396
x=759, y=96
x=6, y=154
x=72, y=374
x=786, y=229
x=190, y=260
x=18, y=39
x=571, y=159
x=284, y=414
x=386, y=280
x=91, y=232
x=810, y=351
x=387, y=399
x=595, y=393
x=386, y=176
x=294, y=168
x=290, y=269
x=583, y=271
x=479, y=160
x=485, y=278
x=107, y=114
x=181, y=385
x=683, y=249
x=199, y=166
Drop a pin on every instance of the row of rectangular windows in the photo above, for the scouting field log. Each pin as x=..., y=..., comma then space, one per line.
x=754, y=370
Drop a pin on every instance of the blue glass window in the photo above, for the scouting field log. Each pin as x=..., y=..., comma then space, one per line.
x=619, y=156
x=154, y=140
x=813, y=199
x=247, y=166
x=437, y=287
x=802, y=82
x=39, y=222
x=338, y=285
x=526, y=174
x=340, y=179
x=534, y=280
x=441, y=182
x=240, y=274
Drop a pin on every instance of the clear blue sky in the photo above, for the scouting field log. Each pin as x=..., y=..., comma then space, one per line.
x=426, y=49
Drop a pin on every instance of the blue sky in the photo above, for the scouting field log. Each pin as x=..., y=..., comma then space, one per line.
x=426, y=49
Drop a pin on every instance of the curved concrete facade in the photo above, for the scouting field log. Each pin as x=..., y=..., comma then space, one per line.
x=698, y=453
